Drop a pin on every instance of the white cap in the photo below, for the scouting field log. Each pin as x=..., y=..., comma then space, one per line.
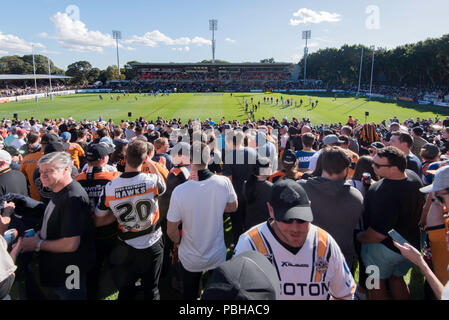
x=440, y=182
x=150, y=126
x=5, y=156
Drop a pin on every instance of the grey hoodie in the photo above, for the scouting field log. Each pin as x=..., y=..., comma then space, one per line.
x=337, y=208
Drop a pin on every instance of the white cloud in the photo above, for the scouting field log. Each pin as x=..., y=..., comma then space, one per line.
x=12, y=44
x=73, y=35
x=155, y=38
x=42, y=35
x=230, y=40
x=307, y=15
x=201, y=41
x=186, y=49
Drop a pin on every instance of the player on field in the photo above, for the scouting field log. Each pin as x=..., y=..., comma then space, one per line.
x=308, y=261
x=132, y=200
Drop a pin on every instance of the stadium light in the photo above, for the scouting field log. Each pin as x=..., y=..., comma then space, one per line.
x=306, y=35
x=117, y=35
x=49, y=78
x=372, y=71
x=213, y=28
x=360, y=74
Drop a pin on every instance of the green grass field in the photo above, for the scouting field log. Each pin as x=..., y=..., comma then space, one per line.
x=216, y=105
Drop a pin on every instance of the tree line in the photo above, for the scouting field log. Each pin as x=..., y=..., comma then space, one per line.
x=421, y=64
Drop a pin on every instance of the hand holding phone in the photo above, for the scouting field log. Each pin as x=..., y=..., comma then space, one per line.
x=397, y=237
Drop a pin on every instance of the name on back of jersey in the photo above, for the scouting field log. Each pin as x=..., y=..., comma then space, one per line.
x=129, y=191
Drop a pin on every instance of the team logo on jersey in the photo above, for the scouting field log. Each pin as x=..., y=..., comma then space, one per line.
x=321, y=265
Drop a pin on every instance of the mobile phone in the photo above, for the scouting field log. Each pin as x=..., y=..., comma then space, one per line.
x=397, y=237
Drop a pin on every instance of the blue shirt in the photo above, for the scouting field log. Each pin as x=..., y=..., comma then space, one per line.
x=304, y=158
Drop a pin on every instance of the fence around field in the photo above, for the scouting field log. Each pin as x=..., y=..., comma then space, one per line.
x=33, y=96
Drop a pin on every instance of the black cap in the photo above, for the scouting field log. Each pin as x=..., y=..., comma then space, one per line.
x=12, y=150
x=377, y=145
x=289, y=201
x=289, y=157
x=98, y=151
x=49, y=138
x=54, y=147
x=248, y=276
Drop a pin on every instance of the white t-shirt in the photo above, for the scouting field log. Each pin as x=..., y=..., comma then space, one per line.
x=7, y=266
x=200, y=206
x=298, y=272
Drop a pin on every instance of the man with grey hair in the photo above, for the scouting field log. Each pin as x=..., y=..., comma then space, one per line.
x=65, y=241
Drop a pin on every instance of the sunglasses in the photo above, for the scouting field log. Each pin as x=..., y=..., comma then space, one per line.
x=381, y=165
x=439, y=196
x=290, y=221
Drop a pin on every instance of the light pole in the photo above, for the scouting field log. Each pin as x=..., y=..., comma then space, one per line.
x=305, y=36
x=49, y=78
x=360, y=74
x=372, y=72
x=213, y=28
x=117, y=35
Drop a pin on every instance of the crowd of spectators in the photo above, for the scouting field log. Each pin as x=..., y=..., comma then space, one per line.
x=147, y=200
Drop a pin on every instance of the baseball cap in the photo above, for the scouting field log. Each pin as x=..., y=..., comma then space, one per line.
x=289, y=201
x=289, y=157
x=12, y=150
x=109, y=142
x=440, y=182
x=331, y=139
x=97, y=151
x=120, y=142
x=49, y=138
x=247, y=276
x=5, y=156
x=66, y=136
x=431, y=150
x=21, y=132
x=54, y=147
x=377, y=145
x=150, y=126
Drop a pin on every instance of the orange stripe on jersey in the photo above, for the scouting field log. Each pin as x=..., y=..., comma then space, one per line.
x=155, y=217
x=257, y=239
x=322, y=248
x=112, y=198
x=124, y=230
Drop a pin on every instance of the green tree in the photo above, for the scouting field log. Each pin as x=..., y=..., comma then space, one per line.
x=80, y=72
x=269, y=60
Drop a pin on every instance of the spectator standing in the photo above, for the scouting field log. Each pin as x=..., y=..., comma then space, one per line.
x=66, y=237
x=197, y=204
x=132, y=201
x=288, y=240
x=336, y=205
x=394, y=202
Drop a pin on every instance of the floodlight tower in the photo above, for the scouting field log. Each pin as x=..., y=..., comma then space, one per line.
x=117, y=35
x=213, y=28
x=360, y=74
x=372, y=71
x=306, y=35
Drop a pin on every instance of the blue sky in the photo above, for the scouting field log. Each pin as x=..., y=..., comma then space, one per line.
x=178, y=31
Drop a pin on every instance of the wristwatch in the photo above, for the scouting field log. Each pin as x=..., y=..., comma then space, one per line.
x=38, y=247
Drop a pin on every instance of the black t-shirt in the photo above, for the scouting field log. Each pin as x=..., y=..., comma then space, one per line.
x=69, y=217
x=13, y=181
x=257, y=210
x=239, y=164
x=395, y=204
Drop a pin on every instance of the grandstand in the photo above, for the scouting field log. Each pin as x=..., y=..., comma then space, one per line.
x=215, y=76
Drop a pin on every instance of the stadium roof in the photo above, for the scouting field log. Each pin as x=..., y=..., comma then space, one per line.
x=30, y=76
x=231, y=65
